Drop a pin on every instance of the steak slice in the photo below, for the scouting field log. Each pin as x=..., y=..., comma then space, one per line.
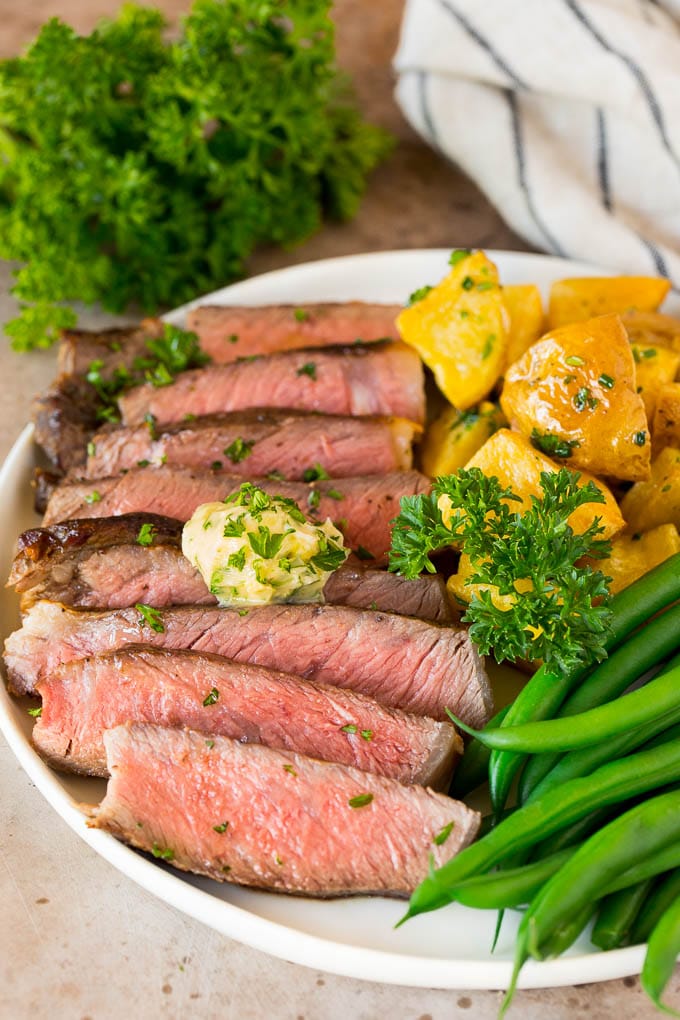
x=227, y=332
x=248, y=703
x=376, y=379
x=248, y=814
x=402, y=662
x=254, y=443
x=365, y=506
x=114, y=348
x=98, y=563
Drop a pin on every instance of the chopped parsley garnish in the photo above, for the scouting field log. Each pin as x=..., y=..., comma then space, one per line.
x=145, y=535
x=574, y=361
x=222, y=827
x=264, y=543
x=164, y=853
x=91, y=449
x=335, y=494
x=468, y=283
x=643, y=353
x=443, y=834
x=151, y=423
x=35, y=712
x=233, y=528
x=361, y=800
x=243, y=612
x=210, y=744
x=237, y=560
x=309, y=368
x=317, y=473
x=363, y=553
x=301, y=315
x=275, y=476
x=150, y=616
x=313, y=499
x=367, y=734
x=485, y=285
x=211, y=698
x=349, y=728
x=143, y=463
x=488, y=343
x=561, y=615
x=606, y=381
x=583, y=399
x=640, y=438
x=239, y=449
x=216, y=465
x=93, y=497
x=290, y=770
x=458, y=255
x=329, y=556
x=552, y=445
x=419, y=294
x=233, y=338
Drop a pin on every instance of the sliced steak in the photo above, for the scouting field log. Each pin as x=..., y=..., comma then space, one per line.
x=248, y=814
x=229, y=331
x=248, y=703
x=254, y=443
x=114, y=348
x=376, y=379
x=402, y=662
x=98, y=563
x=365, y=506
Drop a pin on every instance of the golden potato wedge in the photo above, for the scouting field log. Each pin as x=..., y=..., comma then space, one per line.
x=634, y=555
x=666, y=422
x=514, y=461
x=525, y=308
x=585, y=297
x=652, y=328
x=460, y=329
x=657, y=501
x=655, y=367
x=573, y=393
x=460, y=592
x=455, y=436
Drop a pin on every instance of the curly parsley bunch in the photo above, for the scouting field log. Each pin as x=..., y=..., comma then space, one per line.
x=133, y=169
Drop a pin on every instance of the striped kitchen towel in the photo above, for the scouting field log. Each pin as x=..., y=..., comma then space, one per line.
x=565, y=112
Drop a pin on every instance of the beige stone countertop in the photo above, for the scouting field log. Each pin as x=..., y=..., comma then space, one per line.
x=78, y=940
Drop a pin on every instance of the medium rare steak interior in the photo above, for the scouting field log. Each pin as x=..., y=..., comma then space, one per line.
x=276, y=820
x=80, y=700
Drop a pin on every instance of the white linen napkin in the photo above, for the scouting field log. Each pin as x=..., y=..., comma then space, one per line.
x=565, y=112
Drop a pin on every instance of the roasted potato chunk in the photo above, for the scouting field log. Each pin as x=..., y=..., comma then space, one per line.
x=634, y=555
x=525, y=308
x=656, y=501
x=666, y=423
x=586, y=297
x=456, y=435
x=460, y=329
x=516, y=464
x=652, y=328
x=574, y=394
x=655, y=367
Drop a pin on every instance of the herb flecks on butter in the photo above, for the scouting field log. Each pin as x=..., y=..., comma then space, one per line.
x=255, y=548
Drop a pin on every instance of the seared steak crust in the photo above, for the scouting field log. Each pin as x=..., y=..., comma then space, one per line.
x=98, y=563
x=402, y=662
x=252, y=704
x=248, y=814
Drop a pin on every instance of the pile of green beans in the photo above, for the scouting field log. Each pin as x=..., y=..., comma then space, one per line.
x=595, y=832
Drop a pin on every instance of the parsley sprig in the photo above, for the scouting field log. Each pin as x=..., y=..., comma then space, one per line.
x=557, y=608
x=137, y=168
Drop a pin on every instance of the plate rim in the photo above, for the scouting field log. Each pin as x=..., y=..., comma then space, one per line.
x=262, y=933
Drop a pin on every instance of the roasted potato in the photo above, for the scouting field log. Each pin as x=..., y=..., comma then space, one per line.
x=586, y=297
x=654, y=368
x=657, y=501
x=666, y=422
x=460, y=329
x=634, y=555
x=652, y=328
x=514, y=461
x=456, y=435
x=574, y=394
x=525, y=308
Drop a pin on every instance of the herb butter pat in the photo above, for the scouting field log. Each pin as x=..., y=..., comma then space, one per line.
x=255, y=548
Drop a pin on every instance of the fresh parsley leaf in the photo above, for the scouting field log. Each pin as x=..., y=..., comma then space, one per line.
x=316, y=473
x=264, y=543
x=145, y=535
x=553, y=445
x=361, y=800
x=309, y=368
x=557, y=608
x=150, y=616
x=211, y=698
x=419, y=294
x=239, y=449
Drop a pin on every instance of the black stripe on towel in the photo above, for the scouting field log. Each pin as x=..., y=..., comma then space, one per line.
x=518, y=143
x=425, y=111
x=484, y=43
x=657, y=257
x=603, y=161
x=635, y=70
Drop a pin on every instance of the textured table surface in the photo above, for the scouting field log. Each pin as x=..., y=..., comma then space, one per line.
x=77, y=939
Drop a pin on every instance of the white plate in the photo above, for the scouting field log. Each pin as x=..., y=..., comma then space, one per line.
x=354, y=937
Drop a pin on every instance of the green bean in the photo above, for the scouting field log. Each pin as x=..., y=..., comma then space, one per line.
x=508, y=888
x=610, y=679
x=617, y=914
x=586, y=759
x=545, y=691
x=612, y=783
x=473, y=768
x=651, y=867
x=657, y=903
x=656, y=700
x=571, y=834
x=633, y=836
x=563, y=936
x=662, y=952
